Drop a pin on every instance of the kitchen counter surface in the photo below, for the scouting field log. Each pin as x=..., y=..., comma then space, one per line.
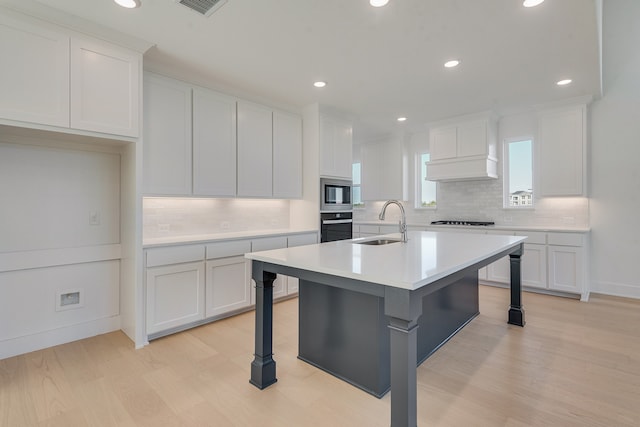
x=217, y=237
x=546, y=228
x=427, y=257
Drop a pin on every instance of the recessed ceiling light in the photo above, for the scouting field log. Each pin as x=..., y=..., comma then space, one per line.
x=531, y=3
x=452, y=63
x=378, y=3
x=402, y=119
x=320, y=84
x=129, y=4
x=563, y=82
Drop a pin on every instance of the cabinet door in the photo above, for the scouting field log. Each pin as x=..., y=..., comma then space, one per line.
x=287, y=155
x=472, y=139
x=167, y=137
x=175, y=296
x=336, y=146
x=562, y=152
x=214, y=144
x=228, y=287
x=499, y=271
x=34, y=76
x=105, y=87
x=442, y=143
x=534, y=265
x=255, y=150
x=565, y=268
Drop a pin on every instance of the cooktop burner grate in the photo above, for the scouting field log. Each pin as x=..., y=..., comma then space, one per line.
x=457, y=222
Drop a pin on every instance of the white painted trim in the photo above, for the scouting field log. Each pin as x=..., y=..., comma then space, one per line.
x=25, y=344
x=626, y=290
x=10, y=261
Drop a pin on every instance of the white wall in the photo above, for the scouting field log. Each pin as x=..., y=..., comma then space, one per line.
x=615, y=154
x=48, y=195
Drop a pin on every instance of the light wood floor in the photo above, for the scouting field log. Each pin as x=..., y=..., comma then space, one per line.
x=574, y=364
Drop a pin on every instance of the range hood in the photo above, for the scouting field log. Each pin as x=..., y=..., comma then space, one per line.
x=463, y=149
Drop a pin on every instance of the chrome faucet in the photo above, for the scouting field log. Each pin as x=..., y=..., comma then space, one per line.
x=403, y=220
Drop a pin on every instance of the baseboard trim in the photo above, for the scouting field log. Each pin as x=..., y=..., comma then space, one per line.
x=616, y=289
x=26, y=344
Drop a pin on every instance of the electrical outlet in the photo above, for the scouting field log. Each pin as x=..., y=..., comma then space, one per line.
x=225, y=225
x=94, y=218
x=164, y=227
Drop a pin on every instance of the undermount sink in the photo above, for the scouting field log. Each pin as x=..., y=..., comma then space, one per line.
x=378, y=242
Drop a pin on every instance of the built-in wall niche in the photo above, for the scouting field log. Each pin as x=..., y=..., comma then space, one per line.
x=56, y=198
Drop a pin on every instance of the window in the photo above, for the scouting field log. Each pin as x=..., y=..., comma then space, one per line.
x=426, y=197
x=356, y=186
x=518, y=173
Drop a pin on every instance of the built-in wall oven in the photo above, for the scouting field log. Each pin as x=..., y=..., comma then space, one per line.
x=336, y=226
x=336, y=210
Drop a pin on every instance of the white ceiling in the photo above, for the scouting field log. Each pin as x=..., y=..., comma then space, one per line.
x=380, y=63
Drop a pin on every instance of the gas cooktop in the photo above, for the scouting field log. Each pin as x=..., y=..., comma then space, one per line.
x=456, y=222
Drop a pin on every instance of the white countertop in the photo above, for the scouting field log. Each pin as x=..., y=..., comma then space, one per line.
x=425, y=258
x=541, y=228
x=216, y=237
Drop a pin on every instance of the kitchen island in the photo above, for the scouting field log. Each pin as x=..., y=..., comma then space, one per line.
x=400, y=275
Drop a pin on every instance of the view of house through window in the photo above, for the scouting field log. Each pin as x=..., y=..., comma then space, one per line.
x=426, y=189
x=355, y=186
x=519, y=174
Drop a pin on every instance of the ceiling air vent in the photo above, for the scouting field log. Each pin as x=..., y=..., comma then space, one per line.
x=203, y=7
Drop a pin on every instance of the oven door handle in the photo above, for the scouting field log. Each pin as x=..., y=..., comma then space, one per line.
x=337, y=221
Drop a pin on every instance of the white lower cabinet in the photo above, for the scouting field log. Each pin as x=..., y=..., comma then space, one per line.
x=196, y=283
x=534, y=265
x=566, y=267
x=175, y=295
x=227, y=285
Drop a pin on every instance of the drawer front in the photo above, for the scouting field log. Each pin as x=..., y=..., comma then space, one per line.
x=174, y=255
x=535, y=237
x=268, y=243
x=227, y=249
x=302, y=239
x=565, y=239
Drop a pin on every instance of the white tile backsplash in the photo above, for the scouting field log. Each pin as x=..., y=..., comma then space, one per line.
x=173, y=217
x=482, y=201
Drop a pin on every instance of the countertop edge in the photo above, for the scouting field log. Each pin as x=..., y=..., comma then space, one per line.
x=219, y=237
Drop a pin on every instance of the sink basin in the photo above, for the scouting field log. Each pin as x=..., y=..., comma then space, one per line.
x=378, y=242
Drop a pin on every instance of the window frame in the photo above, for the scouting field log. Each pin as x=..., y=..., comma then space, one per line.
x=419, y=182
x=506, y=178
x=361, y=205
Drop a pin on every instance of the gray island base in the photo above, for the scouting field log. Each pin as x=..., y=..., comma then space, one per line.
x=407, y=316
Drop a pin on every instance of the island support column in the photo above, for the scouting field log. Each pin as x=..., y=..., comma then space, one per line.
x=263, y=367
x=516, y=311
x=403, y=308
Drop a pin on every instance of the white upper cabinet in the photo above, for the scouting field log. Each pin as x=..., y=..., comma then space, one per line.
x=463, y=149
x=34, y=76
x=105, y=87
x=287, y=155
x=255, y=150
x=384, y=171
x=214, y=144
x=167, y=137
x=336, y=140
x=55, y=77
x=562, y=152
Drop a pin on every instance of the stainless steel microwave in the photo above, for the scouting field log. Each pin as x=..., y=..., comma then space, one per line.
x=335, y=195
